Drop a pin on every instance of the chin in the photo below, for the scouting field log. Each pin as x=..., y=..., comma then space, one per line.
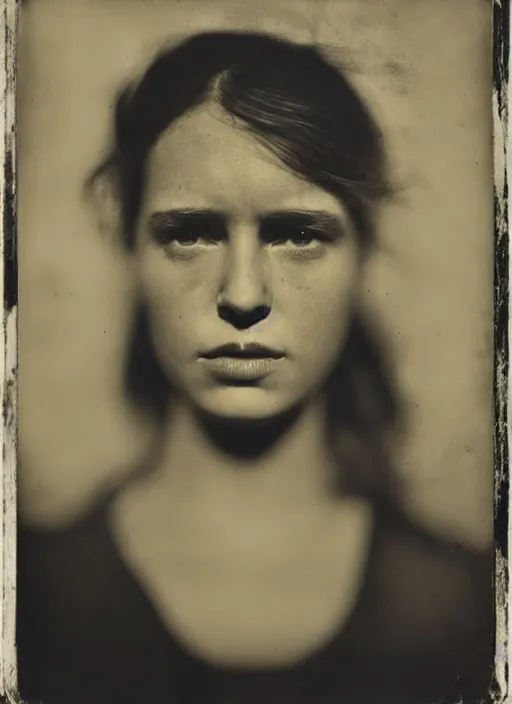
x=245, y=403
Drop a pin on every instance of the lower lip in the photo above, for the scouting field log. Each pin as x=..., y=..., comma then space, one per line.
x=242, y=368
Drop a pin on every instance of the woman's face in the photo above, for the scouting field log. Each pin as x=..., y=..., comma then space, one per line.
x=248, y=271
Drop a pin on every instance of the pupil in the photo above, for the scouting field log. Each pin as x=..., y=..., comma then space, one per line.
x=302, y=238
x=187, y=238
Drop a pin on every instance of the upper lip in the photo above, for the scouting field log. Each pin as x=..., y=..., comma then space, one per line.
x=249, y=350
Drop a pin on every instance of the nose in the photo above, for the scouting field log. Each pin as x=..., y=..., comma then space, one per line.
x=244, y=296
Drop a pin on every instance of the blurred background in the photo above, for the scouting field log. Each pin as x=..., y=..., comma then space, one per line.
x=425, y=69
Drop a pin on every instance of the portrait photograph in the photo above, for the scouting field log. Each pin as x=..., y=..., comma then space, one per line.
x=256, y=352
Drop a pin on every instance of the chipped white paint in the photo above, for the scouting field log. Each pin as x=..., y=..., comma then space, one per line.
x=502, y=577
x=8, y=374
x=502, y=164
x=3, y=90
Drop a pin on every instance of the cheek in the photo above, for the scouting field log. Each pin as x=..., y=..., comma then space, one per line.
x=175, y=298
x=322, y=298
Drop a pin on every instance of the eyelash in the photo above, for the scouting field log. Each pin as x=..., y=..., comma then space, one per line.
x=301, y=238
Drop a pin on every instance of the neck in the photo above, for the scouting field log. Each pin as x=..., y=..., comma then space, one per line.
x=210, y=466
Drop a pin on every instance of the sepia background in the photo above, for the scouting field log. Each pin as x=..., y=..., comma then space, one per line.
x=425, y=68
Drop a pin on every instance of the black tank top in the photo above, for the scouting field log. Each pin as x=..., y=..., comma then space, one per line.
x=421, y=632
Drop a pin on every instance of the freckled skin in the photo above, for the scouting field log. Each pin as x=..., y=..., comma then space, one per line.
x=207, y=161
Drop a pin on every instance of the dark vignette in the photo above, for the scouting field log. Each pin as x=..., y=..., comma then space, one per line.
x=10, y=230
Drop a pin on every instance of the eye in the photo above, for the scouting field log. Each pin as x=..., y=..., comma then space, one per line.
x=303, y=238
x=182, y=237
x=185, y=238
x=294, y=237
x=187, y=243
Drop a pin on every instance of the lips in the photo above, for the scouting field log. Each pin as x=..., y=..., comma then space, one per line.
x=244, y=351
x=239, y=362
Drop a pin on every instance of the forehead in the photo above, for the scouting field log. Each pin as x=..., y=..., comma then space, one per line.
x=207, y=159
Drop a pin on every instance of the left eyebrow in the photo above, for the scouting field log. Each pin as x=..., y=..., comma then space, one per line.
x=304, y=217
x=320, y=221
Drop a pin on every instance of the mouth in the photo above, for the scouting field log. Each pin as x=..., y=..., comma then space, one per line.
x=241, y=351
x=242, y=362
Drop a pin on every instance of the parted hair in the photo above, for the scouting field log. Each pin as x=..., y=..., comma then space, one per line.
x=296, y=103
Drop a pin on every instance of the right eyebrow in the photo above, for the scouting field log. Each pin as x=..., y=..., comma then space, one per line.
x=185, y=216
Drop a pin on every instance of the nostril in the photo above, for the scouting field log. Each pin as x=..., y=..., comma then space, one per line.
x=260, y=313
x=242, y=318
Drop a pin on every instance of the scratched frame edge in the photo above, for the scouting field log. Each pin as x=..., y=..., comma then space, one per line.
x=500, y=688
x=499, y=691
x=9, y=10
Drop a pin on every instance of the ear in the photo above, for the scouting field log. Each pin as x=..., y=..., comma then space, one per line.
x=104, y=201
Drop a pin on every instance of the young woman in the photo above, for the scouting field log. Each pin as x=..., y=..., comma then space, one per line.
x=261, y=556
